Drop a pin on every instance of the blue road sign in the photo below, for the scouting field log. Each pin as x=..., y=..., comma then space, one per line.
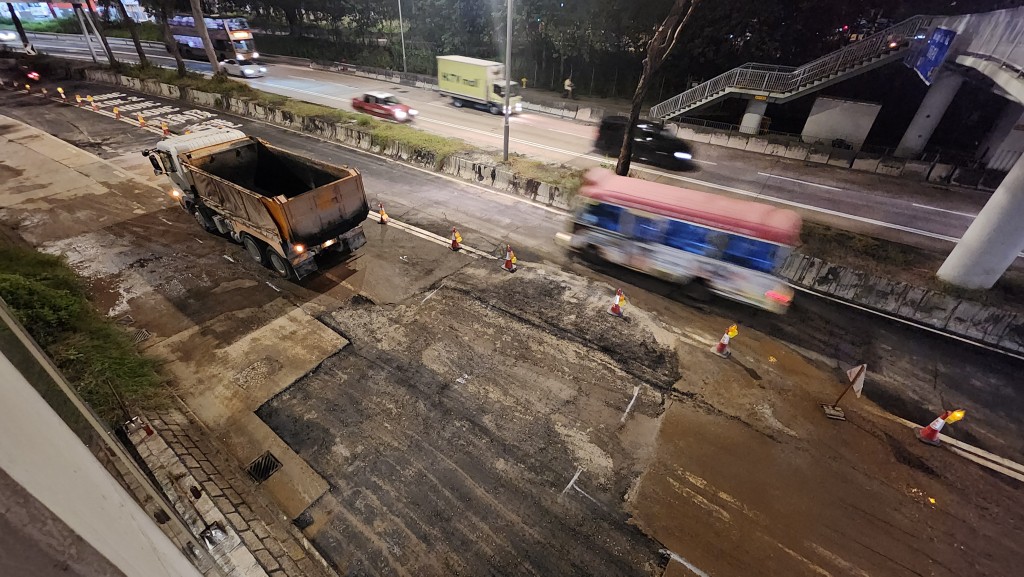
x=934, y=54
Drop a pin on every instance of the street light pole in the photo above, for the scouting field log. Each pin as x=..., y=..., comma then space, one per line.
x=508, y=73
x=401, y=31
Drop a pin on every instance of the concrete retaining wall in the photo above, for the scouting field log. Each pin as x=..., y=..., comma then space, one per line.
x=950, y=314
x=351, y=135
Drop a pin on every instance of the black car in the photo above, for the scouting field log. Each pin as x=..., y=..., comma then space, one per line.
x=651, y=144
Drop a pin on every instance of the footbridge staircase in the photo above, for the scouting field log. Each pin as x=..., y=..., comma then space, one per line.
x=784, y=83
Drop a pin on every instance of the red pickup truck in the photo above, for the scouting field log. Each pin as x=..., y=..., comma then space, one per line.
x=385, y=105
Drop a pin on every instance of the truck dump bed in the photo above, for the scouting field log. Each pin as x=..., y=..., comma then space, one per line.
x=307, y=201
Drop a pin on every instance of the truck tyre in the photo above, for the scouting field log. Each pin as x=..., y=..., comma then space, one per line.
x=280, y=265
x=204, y=220
x=494, y=109
x=456, y=103
x=254, y=249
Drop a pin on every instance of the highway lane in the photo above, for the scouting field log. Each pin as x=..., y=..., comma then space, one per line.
x=912, y=212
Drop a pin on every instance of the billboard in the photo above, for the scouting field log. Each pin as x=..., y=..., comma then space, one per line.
x=934, y=54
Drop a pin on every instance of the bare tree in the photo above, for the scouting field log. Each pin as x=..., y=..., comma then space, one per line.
x=658, y=50
x=133, y=31
x=204, y=34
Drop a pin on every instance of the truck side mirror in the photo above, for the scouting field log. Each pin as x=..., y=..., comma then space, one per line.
x=157, y=169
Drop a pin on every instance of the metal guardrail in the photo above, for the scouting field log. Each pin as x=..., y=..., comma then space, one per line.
x=772, y=79
x=112, y=40
x=404, y=78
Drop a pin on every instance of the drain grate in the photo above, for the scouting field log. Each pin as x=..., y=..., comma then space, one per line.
x=263, y=467
x=141, y=335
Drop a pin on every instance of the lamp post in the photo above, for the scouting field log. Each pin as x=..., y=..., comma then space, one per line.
x=508, y=73
x=401, y=32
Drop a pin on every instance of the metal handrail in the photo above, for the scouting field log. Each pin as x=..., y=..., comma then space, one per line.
x=772, y=79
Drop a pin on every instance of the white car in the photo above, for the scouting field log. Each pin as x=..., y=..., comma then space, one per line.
x=8, y=36
x=244, y=68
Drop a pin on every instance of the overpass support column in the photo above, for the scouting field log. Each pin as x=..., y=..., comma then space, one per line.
x=1011, y=116
x=993, y=241
x=929, y=114
x=751, y=123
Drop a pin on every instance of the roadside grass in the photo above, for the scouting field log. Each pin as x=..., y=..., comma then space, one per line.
x=440, y=147
x=95, y=355
x=564, y=177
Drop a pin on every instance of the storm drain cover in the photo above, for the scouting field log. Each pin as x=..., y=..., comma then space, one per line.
x=263, y=467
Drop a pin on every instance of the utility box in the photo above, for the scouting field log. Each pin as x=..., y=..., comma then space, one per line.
x=839, y=122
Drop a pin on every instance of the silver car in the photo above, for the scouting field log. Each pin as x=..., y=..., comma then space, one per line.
x=243, y=68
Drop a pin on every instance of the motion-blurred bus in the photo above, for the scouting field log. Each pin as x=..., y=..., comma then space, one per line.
x=231, y=37
x=734, y=246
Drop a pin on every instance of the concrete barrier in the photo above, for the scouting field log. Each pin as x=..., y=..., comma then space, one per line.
x=941, y=173
x=916, y=169
x=755, y=144
x=688, y=133
x=841, y=158
x=944, y=312
x=890, y=166
x=866, y=163
x=719, y=139
x=739, y=141
x=818, y=154
x=797, y=151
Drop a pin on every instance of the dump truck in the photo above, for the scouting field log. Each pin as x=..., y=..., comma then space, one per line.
x=284, y=208
x=476, y=83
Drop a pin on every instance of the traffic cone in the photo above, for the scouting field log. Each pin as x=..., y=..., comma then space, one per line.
x=456, y=239
x=45, y=94
x=28, y=88
x=930, y=434
x=92, y=103
x=510, y=259
x=383, y=215
x=163, y=127
x=63, y=97
x=620, y=299
x=117, y=113
x=78, y=100
x=722, y=347
x=142, y=121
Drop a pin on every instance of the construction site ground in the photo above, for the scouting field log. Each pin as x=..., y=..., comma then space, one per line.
x=432, y=411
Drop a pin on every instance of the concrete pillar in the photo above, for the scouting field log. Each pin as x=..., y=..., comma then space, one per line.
x=751, y=123
x=929, y=114
x=1012, y=115
x=994, y=239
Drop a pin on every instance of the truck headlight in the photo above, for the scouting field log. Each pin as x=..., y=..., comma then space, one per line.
x=400, y=115
x=255, y=55
x=683, y=155
x=299, y=248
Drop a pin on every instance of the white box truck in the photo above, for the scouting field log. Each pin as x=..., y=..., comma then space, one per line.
x=476, y=83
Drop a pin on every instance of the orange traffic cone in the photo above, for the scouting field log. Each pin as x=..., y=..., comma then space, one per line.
x=92, y=103
x=620, y=299
x=510, y=259
x=456, y=239
x=167, y=131
x=930, y=434
x=722, y=347
x=383, y=215
x=142, y=121
x=63, y=97
x=117, y=113
x=78, y=100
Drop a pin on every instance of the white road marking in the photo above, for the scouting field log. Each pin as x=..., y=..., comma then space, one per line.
x=967, y=214
x=798, y=180
x=636, y=391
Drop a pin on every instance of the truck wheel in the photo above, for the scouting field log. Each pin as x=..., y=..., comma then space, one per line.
x=253, y=248
x=494, y=109
x=456, y=103
x=281, y=266
x=204, y=221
